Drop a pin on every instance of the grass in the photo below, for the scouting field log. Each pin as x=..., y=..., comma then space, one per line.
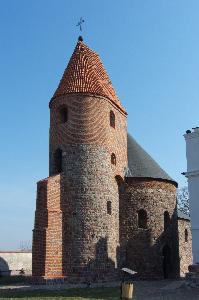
x=70, y=294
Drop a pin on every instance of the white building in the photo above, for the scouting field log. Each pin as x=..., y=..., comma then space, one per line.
x=192, y=174
x=12, y=262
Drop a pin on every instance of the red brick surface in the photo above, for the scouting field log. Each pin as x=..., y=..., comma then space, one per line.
x=85, y=73
x=47, y=234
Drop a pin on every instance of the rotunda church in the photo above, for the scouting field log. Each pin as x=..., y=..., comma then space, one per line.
x=106, y=203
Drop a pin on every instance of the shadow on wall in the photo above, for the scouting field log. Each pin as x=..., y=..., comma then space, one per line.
x=102, y=266
x=154, y=258
x=73, y=247
x=4, y=268
x=85, y=253
x=140, y=250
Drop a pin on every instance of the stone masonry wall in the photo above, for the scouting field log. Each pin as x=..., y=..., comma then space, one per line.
x=185, y=246
x=91, y=235
x=144, y=247
x=78, y=219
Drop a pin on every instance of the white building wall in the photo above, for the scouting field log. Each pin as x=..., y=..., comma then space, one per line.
x=192, y=174
x=12, y=262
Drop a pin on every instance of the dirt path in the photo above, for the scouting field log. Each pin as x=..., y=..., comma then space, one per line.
x=149, y=290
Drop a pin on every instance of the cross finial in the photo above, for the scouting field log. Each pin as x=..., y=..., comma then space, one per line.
x=80, y=23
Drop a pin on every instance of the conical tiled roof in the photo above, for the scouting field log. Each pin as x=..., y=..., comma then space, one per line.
x=85, y=73
x=141, y=164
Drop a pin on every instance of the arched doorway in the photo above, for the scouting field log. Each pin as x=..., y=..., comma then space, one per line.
x=167, y=265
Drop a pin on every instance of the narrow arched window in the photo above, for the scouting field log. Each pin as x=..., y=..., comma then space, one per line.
x=112, y=119
x=109, y=208
x=113, y=159
x=58, y=161
x=142, y=218
x=166, y=220
x=63, y=112
x=186, y=235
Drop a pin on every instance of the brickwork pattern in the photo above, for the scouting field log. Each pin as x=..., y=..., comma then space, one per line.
x=89, y=123
x=47, y=234
x=85, y=73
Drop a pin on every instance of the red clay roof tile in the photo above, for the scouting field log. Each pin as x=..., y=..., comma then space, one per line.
x=85, y=73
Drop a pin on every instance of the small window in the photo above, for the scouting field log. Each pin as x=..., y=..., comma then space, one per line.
x=63, y=115
x=112, y=119
x=186, y=235
x=109, y=208
x=113, y=159
x=58, y=161
x=142, y=219
x=166, y=220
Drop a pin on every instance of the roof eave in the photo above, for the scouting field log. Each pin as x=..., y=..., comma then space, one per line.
x=153, y=178
x=86, y=93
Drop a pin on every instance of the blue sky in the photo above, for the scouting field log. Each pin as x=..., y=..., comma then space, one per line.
x=150, y=49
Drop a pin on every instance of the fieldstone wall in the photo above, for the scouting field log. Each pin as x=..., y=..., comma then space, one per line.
x=185, y=245
x=144, y=247
x=91, y=235
x=75, y=236
x=12, y=262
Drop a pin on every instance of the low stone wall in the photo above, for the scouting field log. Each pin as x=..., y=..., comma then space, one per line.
x=15, y=263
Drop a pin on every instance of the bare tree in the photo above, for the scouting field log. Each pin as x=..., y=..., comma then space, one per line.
x=183, y=200
x=25, y=246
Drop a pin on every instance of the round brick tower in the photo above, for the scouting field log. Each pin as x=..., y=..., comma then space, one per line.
x=149, y=229
x=76, y=233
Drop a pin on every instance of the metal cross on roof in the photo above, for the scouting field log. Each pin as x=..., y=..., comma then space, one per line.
x=80, y=23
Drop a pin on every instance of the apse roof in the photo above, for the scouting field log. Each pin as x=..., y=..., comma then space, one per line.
x=141, y=164
x=85, y=73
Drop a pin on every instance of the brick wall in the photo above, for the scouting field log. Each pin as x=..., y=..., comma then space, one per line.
x=47, y=233
x=89, y=123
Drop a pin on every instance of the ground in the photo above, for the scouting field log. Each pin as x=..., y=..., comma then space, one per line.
x=150, y=290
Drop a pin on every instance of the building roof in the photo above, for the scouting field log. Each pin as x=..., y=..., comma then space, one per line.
x=85, y=73
x=141, y=164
